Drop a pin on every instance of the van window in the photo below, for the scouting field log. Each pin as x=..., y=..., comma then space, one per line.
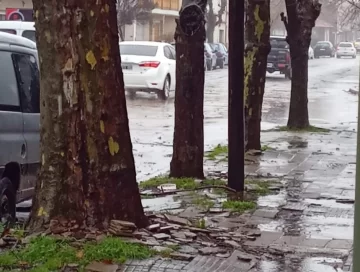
x=11, y=31
x=30, y=34
x=28, y=81
x=9, y=96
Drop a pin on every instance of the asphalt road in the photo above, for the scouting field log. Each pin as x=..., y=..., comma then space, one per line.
x=330, y=105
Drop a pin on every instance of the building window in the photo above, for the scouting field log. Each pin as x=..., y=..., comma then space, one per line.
x=167, y=4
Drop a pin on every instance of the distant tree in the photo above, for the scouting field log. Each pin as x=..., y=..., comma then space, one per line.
x=257, y=31
x=130, y=10
x=349, y=14
x=300, y=20
x=213, y=18
x=188, y=146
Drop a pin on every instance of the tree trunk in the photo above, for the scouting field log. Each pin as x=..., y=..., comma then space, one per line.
x=210, y=22
x=188, y=147
x=210, y=29
x=302, y=15
x=256, y=52
x=87, y=175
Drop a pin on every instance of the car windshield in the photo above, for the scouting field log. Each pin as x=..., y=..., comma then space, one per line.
x=138, y=50
x=345, y=45
x=278, y=43
x=215, y=46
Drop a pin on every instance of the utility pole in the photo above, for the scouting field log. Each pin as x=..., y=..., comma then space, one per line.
x=356, y=252
x=236, y=135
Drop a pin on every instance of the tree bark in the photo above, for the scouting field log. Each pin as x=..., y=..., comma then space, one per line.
x=256, y=52
x=188, y=147
x=302, y=15
x=88, y=174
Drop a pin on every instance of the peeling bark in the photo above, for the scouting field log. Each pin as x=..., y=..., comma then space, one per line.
x=299, y=23
x=88, y=173
x=256, y=52
x=188, y=147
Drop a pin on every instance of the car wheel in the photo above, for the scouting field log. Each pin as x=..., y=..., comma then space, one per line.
x=165, y=92
x=221, y=64
x=288, y=73
x=7, y=201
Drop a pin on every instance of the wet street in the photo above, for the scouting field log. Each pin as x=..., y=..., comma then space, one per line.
x=330, y=105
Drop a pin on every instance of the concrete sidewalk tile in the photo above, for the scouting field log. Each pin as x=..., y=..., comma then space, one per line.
x=289, y=240
x=266, y=238
x=340, y=244
x=314, y=243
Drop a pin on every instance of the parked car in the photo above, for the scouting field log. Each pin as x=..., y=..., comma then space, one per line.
x=20, y=28
x=148, y=67
x=346, y=49
x=357, y=44
x=279, y=57
x=210, y=57
x=19, y=119
x=221, y=52
x=324, y=49
x=311, y=53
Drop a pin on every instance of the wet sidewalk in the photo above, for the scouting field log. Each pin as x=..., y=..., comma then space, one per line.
x=306, y=227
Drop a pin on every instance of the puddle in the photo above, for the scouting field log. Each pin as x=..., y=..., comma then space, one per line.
x=273, y=200
x=162, y=203
x=318, y=264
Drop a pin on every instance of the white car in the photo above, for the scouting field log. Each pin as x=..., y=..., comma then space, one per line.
x=311, y=53
x=346, y=49
x=148, y=67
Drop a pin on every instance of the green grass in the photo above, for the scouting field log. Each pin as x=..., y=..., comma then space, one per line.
x=219, y=150
x=50, y=254
x=239, y=206
x=181, y=183
x=262, y=186
x=200, y=223
x=308, y=129
x=265, y=148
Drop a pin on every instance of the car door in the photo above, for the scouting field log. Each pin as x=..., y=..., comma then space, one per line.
x=173, y=52
x=29, y=87
x=172, y=65
x=12, y=142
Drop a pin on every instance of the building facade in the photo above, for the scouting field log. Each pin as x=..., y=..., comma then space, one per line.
x=4, y=4
x=161, y=26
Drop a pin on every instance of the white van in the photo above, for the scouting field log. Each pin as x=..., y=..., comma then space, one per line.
x=20, y=28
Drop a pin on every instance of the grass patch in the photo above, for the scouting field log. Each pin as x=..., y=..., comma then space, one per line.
x=50, y=254
x=181, y=183
x=217, y=151
x=200, y=223
x=239, y=206
x=261, y=186
x=308, y=129
x=265, y=148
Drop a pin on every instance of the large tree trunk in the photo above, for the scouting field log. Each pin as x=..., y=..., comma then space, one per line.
x=188, y=148
x=87, y=175
x=302, y=15
x=256, y=52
